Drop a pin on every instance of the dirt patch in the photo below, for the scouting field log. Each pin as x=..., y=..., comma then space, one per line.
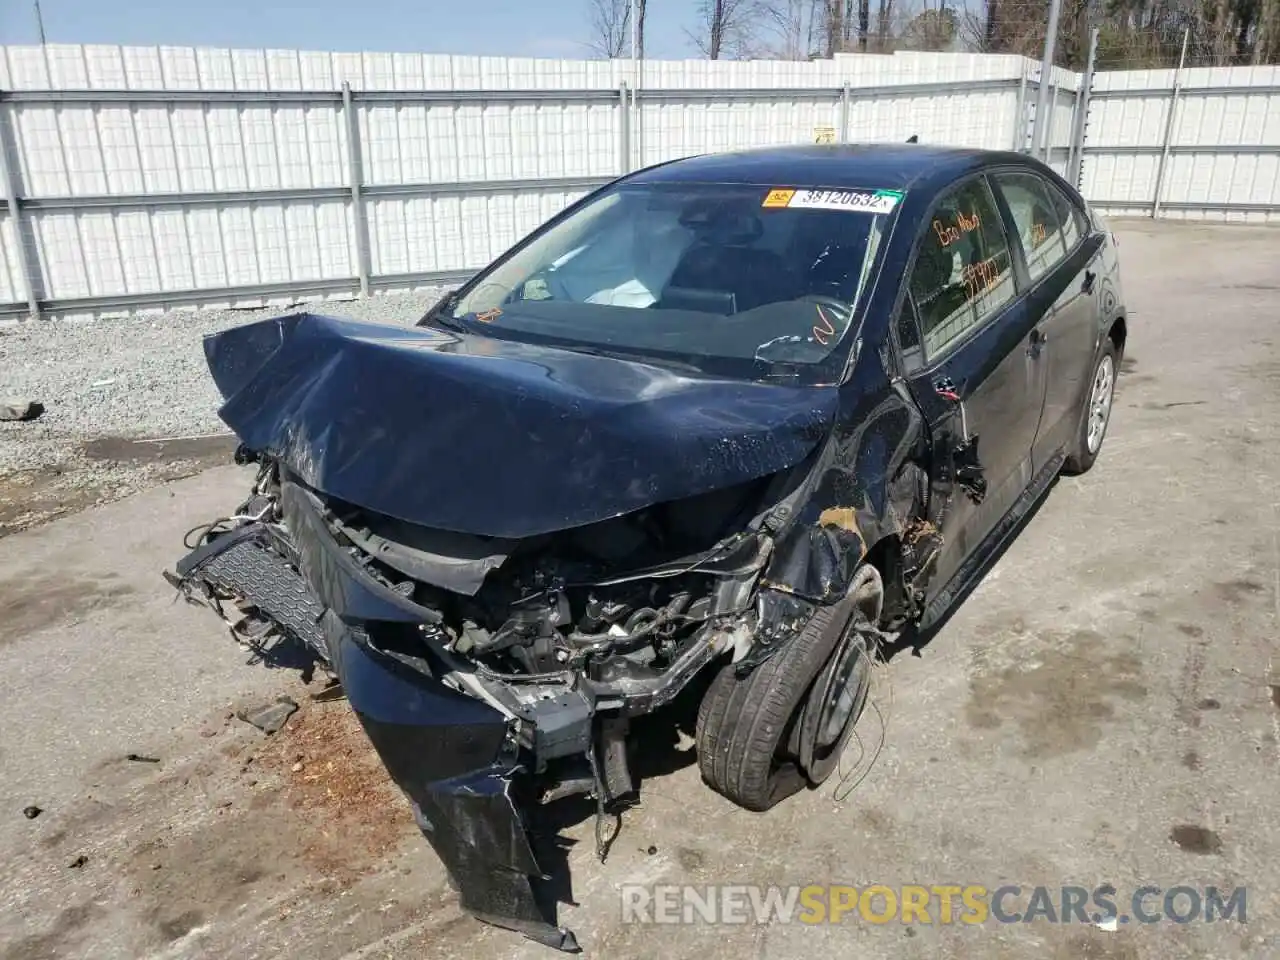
x=1097, y=945
x=1234, y=591
x=31, y=497
x=1193, y=839
x=1063, y=699
x=200, y=451
x=180, y=883
x=333, y=777
x=100, y=471
x=70, y=935
x=1187, y=708
x=248, y=826
x=35, y=601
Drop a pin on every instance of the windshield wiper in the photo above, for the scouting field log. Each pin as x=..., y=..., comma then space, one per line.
x=455, y=324
x=437, y=313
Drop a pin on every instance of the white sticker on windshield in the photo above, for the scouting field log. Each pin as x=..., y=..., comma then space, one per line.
x=854, y=201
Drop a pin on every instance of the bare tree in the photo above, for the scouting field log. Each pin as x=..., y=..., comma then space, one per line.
x=1132, y=33
x=884, y=22
x=793, y=29
x=610, y=26
x=733, y=28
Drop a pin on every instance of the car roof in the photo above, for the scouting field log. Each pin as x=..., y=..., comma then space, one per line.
x=878, y=165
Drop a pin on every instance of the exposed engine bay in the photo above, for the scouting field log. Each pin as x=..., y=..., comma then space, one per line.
x=619, y=590
x=611, y=617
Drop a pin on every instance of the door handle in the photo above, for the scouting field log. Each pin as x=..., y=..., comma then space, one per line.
x=1089, y=278
x=946, y=388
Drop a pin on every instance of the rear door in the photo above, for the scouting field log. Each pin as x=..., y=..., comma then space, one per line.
x=1062, y=271
x=966, y=339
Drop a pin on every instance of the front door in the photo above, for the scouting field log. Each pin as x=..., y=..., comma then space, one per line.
x=979, y=375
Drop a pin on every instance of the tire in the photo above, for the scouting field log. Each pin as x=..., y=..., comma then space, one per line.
x=1081, y=457
x=748, y=727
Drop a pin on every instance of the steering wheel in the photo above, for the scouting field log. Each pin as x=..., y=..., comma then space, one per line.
x=551, y=283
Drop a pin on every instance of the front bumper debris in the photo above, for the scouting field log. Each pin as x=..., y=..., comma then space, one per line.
x=451, y=754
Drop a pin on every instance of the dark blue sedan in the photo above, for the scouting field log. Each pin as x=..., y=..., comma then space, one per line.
x=725, y=429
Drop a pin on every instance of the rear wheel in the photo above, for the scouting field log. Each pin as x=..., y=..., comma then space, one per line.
x=782, y=727
x=1095, y=417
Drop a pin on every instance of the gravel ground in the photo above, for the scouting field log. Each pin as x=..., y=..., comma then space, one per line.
x=108, y=383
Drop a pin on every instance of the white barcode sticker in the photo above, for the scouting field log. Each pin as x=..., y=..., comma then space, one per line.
x=853, y=201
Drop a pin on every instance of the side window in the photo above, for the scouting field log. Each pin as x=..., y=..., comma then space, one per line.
x=908, y=338
x=962, y=274
x=1047, y=225
x=1073, y=229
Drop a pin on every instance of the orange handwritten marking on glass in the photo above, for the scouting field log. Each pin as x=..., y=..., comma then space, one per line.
x=489, y=315
x=950, y=233
x=822, y=333
x=1037, y=234
x=980, y=277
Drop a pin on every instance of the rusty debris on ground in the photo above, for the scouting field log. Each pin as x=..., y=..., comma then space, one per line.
x=332, y=775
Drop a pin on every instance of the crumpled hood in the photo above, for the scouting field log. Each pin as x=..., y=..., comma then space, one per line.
x=493, y=437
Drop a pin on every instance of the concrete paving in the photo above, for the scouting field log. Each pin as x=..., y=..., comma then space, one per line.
x=1105, y=708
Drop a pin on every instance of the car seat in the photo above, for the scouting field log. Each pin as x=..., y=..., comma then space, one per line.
x=937, y=296
x=750, y=275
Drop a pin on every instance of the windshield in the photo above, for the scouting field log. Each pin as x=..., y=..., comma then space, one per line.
x=753, y=276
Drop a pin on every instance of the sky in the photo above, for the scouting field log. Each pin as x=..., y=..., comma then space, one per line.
x=527, y=28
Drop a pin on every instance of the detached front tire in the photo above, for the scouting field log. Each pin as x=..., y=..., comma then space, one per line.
x=782, y=727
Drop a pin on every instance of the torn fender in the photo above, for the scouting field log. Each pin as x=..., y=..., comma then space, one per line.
x=866, y=484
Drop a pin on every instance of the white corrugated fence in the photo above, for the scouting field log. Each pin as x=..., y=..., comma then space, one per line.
x=143, y=178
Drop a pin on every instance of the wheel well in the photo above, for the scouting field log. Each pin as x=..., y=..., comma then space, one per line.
x=886, y=557
x=1117, y=333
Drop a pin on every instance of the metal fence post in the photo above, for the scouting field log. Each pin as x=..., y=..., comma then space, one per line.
x=624, y=130
x=1039, y=132
x=31, y=278
x=1046, y=142
x=1020, y=121
x=1168, y=126
x=355, y=174
x=1078, y=135
x=1075, y=122
x=844, y=112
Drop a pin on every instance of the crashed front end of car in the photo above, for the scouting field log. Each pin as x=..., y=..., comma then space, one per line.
x=505, y=553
